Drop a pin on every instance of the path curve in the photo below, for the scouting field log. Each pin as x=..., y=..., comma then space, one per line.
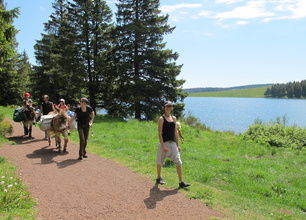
x=94, y=188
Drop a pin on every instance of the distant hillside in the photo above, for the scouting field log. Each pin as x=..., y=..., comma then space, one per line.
x=257, y=92
x=217, y=89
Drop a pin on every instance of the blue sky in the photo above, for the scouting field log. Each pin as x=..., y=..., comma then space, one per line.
x=221, y=43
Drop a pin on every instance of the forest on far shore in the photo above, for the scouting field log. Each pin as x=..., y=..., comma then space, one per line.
x=293, y=89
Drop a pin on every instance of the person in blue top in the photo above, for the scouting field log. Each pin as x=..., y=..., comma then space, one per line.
x=168, y=144
x=85, y=116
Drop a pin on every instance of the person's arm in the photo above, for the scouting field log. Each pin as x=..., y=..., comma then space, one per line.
x=39, y=113
x=72, y=119
x=160, y=133
x=92, y=118
x=176, y=136
x=52, y=107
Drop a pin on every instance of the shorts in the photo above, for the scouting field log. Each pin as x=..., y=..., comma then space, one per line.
x=172, y=153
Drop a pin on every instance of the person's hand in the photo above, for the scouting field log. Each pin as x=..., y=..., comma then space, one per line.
x=179, y=149
x=165, y=149
x=90, y=123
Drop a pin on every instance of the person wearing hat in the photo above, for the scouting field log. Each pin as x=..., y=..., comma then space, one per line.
x=62, y=105
x=168, y=144
x=85, y=119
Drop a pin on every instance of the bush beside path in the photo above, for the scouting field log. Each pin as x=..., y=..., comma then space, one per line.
x=94, y=188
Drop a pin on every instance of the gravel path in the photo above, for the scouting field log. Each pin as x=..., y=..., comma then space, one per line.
x=94, y=188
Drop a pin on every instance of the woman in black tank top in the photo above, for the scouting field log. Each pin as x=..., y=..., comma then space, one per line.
x=168, y=144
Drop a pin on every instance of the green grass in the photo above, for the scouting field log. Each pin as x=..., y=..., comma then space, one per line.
x=240, y=93
x=15, y=201
x=241, y=178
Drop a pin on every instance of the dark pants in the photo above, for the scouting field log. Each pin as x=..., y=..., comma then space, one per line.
x=83, y=135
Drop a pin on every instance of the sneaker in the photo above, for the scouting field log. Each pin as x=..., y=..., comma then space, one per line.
x=160, y=181
x=183, y=184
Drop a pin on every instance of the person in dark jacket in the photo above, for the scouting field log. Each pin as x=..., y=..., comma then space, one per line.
x=85, y=116
x=168, y=144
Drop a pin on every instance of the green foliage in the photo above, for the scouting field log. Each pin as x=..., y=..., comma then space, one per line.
x=5, y=127
x=243, y=93
x=7, y=33
x=290, y=90
x=144, y=71
x=14, y=198
x=277, y=134
x=246, y=179
x=194, y=122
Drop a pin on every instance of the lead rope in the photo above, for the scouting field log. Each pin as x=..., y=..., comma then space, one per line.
x=92, y=131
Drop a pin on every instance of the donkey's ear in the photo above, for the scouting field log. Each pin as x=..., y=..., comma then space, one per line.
x=68, y=106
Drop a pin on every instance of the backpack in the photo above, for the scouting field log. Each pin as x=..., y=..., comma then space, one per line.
x=18, y=115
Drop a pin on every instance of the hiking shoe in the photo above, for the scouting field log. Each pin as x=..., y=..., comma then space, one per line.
x=160, y=181
x=183, y=184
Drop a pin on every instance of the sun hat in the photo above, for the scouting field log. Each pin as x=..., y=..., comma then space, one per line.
x=62, y=100
x=168, y=103
x=84, y=100
x=27, y=94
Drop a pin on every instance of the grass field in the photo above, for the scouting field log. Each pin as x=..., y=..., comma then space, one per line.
x=241, y=93
x=15, y=201
x=243, y=179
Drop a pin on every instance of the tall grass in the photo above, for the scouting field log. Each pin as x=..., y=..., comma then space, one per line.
x=244, y=179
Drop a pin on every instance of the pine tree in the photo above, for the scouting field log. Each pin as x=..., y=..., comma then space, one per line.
x=92, y=19
x=145, y=72
x=60, y=72
x=7, y=33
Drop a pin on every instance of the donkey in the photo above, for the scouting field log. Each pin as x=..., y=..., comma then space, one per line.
x=59, y=127
x=28, y=120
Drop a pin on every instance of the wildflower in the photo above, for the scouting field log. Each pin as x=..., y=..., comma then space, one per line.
x=11, y=178
x=2, y=177
x=16, y=184
x=2, y=182
x=9, y=186
x=5, y=190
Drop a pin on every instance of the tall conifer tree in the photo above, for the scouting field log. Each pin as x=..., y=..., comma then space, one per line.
x=146, y=72
x=93, y=18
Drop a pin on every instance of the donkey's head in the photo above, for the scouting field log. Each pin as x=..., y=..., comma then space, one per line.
x=60, y=120
x=29, y=113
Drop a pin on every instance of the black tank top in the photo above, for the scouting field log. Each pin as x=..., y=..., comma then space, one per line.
x=46, y=107
x=168, y=130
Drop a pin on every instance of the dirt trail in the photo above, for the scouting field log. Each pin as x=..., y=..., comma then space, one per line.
x=94, y=188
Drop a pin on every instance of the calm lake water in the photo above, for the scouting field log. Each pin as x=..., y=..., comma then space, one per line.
x=236, y=114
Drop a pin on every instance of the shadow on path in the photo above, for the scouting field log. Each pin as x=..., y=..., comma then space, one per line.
x=157, y=195
x=46, y=155
x=66, y=163
x=24, y=140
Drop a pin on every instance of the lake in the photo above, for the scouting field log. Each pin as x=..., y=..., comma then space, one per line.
x=236, y=114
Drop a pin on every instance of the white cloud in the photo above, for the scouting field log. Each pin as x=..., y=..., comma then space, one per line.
x=170, y=8
x=253, y=9
x=205, y=14
x=228, y=1
x=242, y=22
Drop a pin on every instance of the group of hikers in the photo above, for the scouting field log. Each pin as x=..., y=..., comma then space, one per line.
x=168, y=132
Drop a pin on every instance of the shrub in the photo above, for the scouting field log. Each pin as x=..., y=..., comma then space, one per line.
x=277, y=134
x=5, y=127
x=194, y=122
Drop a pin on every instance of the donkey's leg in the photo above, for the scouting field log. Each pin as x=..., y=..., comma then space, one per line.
x=58, y=141
x=65, y=134
x=49, y=137
x=30, y=131
x=25, y=128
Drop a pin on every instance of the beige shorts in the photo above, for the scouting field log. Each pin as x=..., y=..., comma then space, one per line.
x=172, y=153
